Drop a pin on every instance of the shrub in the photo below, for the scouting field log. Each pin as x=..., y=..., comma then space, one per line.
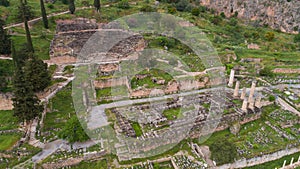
x=266, y=72
x=297, y=38
x=272, y=98
x=66, y=2
x=233, y=22
x=50, y=6
x=169, y=42
x=223, y=151
x=4, y=3
x=223, y=15
x=202, y=8
x=172, y=10
x=182, y=5
x=73, y=131
x=216, y=20
x=195, y=11
x=270, y=36
x=123, y=4
x=85, y=3
x=235, y=14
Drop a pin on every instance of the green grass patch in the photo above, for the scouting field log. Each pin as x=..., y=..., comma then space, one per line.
x=137, y=129
x=61, y=107
x=148, y=80
x=172, y=114
x=101, y=164
x=7, y=120
x=8, y=140
x=6, y=71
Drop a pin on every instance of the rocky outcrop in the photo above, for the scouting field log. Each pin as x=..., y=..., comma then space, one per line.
x=283, y=15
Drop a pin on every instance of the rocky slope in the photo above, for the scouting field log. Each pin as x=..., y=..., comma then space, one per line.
x=278, y=14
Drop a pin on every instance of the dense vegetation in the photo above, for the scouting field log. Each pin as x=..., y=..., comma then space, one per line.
x=223, y=152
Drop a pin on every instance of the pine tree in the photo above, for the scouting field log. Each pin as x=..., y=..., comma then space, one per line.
x=44, y=14
x=4, y=40
x=25, y=17
x=72, y=6
x=97, y=5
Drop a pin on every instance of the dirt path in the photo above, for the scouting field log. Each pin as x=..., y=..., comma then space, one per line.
x=40, y=18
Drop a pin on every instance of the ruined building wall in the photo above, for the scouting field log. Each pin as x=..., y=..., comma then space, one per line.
x=278, y=14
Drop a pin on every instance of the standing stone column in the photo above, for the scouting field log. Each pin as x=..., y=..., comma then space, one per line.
x=251, y=105
x=252, y=90
x=236, y=90
x=257, y=102
x=283, y=165
x=231, y=78
x=292, y=161
x=245, y=104
x=243, y=95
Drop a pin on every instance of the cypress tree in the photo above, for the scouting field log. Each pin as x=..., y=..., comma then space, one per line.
x=44, y=14
x=36, y=74
x=71, y=6
x=97, y=5
x=4, y=40
x=26, y=104
x=25, y=19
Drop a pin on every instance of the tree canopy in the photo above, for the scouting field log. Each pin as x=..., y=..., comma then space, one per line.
x=72, y=6
x=5, y=42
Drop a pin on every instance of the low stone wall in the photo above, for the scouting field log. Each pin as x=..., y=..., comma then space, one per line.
x=286, y=70
x=99, y=84
x=259, y=160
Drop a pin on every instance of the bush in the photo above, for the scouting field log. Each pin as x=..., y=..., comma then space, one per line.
x=165, y=41
x=4, y=3
x=233, y=22
x=195, y=11
x=85, y=3
x=297, y=38
x=66, y=2
x=182, y=5
x=223, y=15
x=223, y=152
x=235, y=14
x=172, y=10
x=123, y=4
x=202, y=8
x=147, y=8
x=266, y=72
x=272, y=98
x=216, y=20
x=270, y=36
x=73, y=131
x=50, y=6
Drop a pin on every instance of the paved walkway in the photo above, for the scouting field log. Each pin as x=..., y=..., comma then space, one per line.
x=53, y=146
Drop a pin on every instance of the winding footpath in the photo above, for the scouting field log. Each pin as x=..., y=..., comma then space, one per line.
x=40, y=18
